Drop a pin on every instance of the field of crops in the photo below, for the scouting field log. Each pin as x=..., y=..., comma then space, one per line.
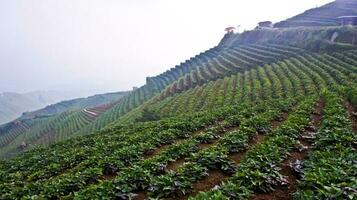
x=300, y=75
x=267, y=114
x=178, y=157
x=269, y=132
x=210, y=65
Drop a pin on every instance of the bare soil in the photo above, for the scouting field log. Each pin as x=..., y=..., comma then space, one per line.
x=275, y=123
x=141, y=195
x=352, y=112
x=214, y=178
x=174, y=165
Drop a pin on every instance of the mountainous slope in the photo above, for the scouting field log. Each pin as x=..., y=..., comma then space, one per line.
x=103, y=165
x=235, y=53
x=53, y=123
x=80, y=103
x=198, y=70
x=305, y=71
x=228, y=58
x=269, y=114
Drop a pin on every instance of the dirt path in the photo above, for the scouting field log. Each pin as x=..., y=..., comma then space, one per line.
x=292, y=165
x=90, y=112
x=352, y=112
x=208, y=182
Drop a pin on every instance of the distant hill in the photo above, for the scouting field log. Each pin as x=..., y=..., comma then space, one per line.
x=79, y=103
x=54, y=123
x=12, y=105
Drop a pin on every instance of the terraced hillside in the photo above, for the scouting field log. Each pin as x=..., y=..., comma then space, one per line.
x=12, y=104
x=278, y=109
x=263, y=118
x=236, y=52
x=211, y=65
x=75, y=104
x=322, y=16
x=308, y=72
x=53, y=123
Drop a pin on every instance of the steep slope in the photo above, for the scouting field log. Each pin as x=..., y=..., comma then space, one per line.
x=231, y=56
x=215, y=63
x=280, y=128
x=109, y=163
x=153, y=86
x=304, y=70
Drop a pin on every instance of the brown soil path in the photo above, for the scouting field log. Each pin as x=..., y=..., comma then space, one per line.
x=352, y=112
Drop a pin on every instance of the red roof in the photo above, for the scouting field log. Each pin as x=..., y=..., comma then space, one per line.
x=229, y=29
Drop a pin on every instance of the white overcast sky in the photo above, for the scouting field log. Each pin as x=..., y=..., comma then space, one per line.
x=112, y=45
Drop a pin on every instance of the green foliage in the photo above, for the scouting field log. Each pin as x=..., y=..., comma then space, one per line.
x=201, y=127
x=148, y=115
x=329, y=171
x=259, y=170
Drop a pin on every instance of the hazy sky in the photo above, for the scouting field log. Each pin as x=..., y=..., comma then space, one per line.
x=112, y=45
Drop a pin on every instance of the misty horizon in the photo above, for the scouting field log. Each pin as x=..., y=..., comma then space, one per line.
x=109, y=46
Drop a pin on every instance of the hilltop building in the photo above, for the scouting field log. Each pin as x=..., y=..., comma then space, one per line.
x=230, y=29
x=265, y=24
x=348, y=20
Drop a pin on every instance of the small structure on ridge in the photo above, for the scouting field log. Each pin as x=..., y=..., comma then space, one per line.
x=348, y=20
x=230, y=29
x=265, y=24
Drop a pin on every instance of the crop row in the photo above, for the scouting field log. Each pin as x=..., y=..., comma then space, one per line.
x=47, y=130
x=259, y=170
x=301, y=75
x=210, y=65
x=228, y=62
x=143, y=174
x=86, y=161
x=330, y=171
